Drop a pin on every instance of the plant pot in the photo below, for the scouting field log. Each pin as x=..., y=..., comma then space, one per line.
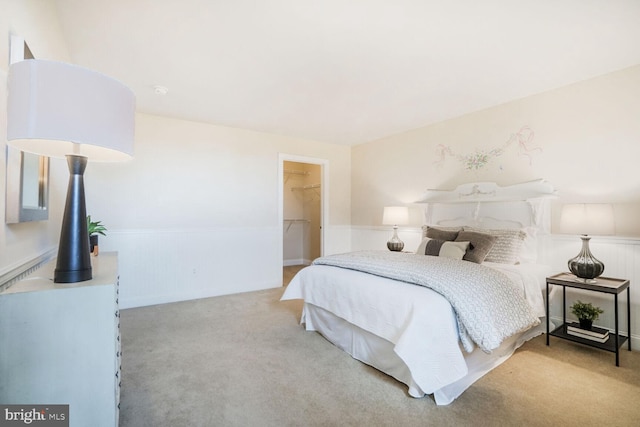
x=586, y=324
x=93, y=243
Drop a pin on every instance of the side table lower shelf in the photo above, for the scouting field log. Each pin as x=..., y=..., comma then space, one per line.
x=609, y=345
x=606, y=285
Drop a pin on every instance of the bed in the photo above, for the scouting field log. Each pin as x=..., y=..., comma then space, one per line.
x=439, y=319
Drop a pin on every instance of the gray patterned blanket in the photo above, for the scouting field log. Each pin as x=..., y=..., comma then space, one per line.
x=488, y=307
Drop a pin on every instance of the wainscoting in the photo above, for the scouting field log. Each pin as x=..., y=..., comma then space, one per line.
x=161, y=266
x=620, y=255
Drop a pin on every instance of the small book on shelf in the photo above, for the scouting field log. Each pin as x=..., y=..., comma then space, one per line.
x=593, y=334
x=594, y=331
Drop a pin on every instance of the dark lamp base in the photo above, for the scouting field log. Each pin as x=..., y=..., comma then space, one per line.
x=585, y=265
x=74, y=259
x=72, y=276
x=395, y=244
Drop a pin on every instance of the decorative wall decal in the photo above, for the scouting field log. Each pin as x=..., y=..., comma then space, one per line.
x=523, y=139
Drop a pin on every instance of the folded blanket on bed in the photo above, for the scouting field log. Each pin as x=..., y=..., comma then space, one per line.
x=488, y=307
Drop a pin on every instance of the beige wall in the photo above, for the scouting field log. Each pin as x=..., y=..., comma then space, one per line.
x=583, y=138
x=196, y=212
x=37, y=23
x=189, y=174
x=195, y=192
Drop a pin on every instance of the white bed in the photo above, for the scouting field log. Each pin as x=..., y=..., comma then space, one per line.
x=411, y=332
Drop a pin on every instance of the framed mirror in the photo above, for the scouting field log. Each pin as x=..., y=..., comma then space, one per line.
x=27, y=187
x=27, y=196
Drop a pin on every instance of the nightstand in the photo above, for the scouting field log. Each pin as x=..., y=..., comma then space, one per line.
x=605, y=285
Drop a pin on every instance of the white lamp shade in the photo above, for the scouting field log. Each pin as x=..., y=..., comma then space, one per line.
x=395, y=215
x=588, y=218
x=55, y=109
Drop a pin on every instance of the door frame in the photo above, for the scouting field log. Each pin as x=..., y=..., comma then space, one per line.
x=324, y=196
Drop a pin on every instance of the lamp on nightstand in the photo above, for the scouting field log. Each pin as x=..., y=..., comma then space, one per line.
x=62, y=110
x=394, y=215
x=586, y=219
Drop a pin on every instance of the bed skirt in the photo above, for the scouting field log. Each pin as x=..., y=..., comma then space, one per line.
x=379, y=353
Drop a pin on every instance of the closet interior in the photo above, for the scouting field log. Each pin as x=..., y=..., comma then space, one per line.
x=302, y=213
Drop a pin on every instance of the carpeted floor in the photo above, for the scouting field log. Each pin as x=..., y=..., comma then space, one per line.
x=290, y=271
x=244, y=360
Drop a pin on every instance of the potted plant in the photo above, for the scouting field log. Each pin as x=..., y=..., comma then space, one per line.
x=586, y=313
x=94, y=228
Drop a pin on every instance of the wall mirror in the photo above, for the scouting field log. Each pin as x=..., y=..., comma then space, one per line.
x=27, y=186
x=27, y=195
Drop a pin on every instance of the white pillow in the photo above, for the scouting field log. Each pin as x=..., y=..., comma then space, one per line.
x=529, y=252
x=443, y=248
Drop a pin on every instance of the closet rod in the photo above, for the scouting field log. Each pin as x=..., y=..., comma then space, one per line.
x=306, y=187
x=296, y=172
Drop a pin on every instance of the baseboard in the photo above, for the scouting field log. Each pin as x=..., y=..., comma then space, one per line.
x=126, y=303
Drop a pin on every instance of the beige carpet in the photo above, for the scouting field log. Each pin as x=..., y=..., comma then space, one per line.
x=243, y=360
x=290, y=271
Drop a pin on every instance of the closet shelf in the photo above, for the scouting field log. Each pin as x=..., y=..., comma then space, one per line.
x=306, y=187
x=295, y=172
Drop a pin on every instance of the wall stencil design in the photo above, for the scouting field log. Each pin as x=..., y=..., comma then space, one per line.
x=522, y=140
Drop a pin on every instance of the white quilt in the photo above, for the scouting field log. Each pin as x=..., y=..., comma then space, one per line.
x=420, y=323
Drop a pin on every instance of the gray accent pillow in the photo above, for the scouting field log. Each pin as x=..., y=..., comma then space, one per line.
x=443, y=248
x=507, y=247
x=479, y=245
x=441, y=233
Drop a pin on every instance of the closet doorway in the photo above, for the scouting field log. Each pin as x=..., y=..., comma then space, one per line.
x=302, y=214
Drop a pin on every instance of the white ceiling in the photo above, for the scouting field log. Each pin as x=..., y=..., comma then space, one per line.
x=346, y=71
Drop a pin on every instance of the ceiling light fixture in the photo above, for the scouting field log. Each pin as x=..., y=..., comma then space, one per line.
x=160, y=90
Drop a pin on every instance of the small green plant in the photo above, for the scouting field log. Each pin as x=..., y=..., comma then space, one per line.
x=95, y=227
x=585, y=310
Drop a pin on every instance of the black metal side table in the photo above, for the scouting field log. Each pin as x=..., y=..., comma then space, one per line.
x=605, y=285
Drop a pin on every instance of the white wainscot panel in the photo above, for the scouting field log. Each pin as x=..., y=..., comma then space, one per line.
x=293, y=243
x=160, y=266
x=337, y=239
x=621, y=257
x=375, y=238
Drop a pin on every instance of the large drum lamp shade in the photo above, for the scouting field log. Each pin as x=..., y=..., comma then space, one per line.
x=55, y=109
x=62, y=110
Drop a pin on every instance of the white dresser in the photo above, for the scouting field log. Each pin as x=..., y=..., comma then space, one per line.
x=60, y=343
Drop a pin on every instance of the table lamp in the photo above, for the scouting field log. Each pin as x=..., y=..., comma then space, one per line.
x=63, y=110
x=586, y=219
x=394, y=215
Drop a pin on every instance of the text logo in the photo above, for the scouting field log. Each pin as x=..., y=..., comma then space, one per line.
x=34, y=415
